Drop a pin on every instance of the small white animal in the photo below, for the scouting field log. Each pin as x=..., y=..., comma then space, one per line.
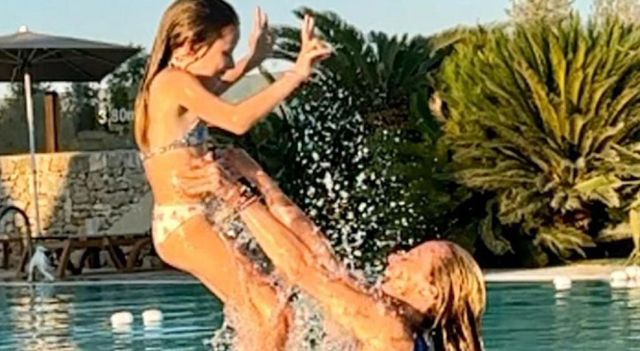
x=41, y=262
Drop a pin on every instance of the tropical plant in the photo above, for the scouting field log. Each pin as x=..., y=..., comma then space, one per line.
x=373, y=175
x=12, y=117
x=539, y=10
x=79, y=102
x=385, y=76
x=122, y=84
x=544, y=118
x=121, y=88
x=15, y=96
x=627, y=11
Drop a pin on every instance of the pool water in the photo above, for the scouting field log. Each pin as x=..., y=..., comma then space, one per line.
x=519, y=317
x=591, y=316
x=47, y=318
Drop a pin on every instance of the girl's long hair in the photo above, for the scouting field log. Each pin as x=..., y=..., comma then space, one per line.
x=199, y=22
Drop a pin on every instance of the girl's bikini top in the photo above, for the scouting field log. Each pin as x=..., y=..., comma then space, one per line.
x=198, y=135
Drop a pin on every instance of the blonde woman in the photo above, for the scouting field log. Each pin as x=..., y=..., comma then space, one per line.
x=431, y=297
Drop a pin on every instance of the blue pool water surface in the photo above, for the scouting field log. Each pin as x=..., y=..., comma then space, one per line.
x=520, y=317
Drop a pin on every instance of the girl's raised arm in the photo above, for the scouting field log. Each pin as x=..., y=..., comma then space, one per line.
x=190, y=93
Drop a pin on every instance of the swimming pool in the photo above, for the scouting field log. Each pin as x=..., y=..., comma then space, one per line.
x=520, y=317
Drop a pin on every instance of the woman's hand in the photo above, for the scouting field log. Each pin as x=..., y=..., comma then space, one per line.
x=261, y=39
x=312, y=49
x=239, y=164
x=203, y=178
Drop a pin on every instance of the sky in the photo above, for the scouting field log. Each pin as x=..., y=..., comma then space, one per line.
x=136, y=21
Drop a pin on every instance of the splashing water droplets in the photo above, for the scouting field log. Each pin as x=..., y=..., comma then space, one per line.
x=348, y=200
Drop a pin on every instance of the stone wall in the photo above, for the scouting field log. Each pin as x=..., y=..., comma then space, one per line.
x=77, y=190
x=76, y=186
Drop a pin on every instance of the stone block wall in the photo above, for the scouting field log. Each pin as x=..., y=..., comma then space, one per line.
x=75, y=188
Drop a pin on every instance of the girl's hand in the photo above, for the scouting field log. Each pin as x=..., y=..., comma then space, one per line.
x=261, y=39
x=312, y=50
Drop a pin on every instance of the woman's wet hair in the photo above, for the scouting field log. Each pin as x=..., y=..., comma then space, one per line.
x=456, y=320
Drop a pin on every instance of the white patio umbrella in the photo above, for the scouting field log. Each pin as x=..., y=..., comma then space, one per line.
x=47, y=58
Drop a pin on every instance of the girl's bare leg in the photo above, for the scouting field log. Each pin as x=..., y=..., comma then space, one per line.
x=197, y=248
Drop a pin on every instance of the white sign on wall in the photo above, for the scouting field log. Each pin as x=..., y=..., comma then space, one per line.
x=115, y=119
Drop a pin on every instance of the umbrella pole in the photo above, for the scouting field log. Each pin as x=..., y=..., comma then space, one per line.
x=32, y=148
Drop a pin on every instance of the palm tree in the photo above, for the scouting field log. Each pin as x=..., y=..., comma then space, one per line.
x=383, y=74
x=371, y=101
x=536, y=10
x=545, y=118
x=627, y=11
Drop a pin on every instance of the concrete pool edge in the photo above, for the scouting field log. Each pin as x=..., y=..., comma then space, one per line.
x=578, y=272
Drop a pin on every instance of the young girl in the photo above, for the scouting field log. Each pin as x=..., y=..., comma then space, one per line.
x=431, y=298
x=190, y=65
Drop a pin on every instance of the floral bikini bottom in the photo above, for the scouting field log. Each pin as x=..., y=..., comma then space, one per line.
x=168, y=218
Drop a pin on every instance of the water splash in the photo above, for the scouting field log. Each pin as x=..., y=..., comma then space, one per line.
x=349, y=200
x=347, y=186
x=309, y=332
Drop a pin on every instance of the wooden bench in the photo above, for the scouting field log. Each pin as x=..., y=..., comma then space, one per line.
x=112, y=243
x=64, y=245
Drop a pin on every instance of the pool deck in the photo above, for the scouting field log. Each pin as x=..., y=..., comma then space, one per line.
x=576, y=272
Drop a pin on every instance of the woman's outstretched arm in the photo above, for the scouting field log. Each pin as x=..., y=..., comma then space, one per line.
x=239, y=164
x=348, y=303
x=352, y=306
x=281, y=206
